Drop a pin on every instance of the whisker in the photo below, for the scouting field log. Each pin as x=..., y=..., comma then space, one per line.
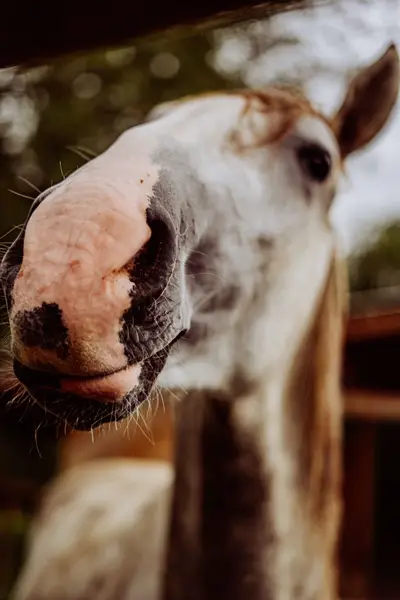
x=33, y=186
x=88, y=151
x=82, y=152
x=10, y=231
x=151, y=440
x=20, y=194
x=171, y=393
x=36, y=440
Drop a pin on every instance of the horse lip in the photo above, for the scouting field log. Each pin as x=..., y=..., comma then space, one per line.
x=94, y=376
x=89, y=386
x=110, y=388
x=37, y=379
x=34, y=378
x=49, y=379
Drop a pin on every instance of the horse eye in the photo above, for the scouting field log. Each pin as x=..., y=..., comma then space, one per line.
x=315, y=161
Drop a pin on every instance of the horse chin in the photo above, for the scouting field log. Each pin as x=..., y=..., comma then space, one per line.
x=82, y=413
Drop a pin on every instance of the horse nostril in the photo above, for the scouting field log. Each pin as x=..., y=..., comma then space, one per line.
x=153, y=273
x=152, y=267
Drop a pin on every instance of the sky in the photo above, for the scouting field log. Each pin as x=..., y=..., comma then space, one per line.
x=323, y=47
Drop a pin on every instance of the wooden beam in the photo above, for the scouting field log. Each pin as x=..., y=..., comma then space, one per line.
x=34, y=32
x=372, y=406
x=374, y=325
x=358, y=528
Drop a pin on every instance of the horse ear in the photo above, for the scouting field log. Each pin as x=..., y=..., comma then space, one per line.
x=368, y=103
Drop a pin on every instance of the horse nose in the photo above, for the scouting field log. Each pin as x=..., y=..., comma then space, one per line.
x=74, y=322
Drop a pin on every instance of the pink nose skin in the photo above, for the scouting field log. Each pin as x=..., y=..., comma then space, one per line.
x=78, y=243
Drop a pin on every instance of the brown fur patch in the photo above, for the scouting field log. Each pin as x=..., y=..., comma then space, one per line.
x=235, y=531
x=220, y=507
x=182, y=560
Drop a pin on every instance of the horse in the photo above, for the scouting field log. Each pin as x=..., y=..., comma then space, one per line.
x=196, y=255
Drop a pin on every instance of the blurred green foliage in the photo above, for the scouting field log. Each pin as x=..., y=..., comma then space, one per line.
x=86, y=101
x=378, y=266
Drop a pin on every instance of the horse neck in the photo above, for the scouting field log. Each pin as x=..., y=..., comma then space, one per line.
x=242, y=524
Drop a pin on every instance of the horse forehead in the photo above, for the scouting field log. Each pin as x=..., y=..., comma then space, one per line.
x=266, y=115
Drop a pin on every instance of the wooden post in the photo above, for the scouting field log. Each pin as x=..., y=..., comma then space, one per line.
x=357, y=543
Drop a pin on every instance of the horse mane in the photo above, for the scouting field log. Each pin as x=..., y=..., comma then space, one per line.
x=287, y=102
x=272, y=98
